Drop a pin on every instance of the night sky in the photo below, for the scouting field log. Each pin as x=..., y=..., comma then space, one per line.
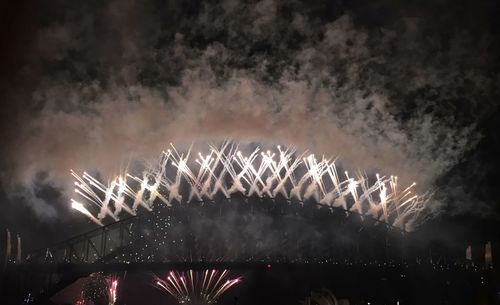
x=410, y=88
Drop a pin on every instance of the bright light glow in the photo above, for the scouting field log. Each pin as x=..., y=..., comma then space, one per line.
x=112, y=284
x=196, y=287
x=226, y=170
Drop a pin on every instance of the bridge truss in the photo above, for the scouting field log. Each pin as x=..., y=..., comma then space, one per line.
x=204, y=234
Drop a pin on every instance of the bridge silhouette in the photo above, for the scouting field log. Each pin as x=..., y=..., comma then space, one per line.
x=145, y=242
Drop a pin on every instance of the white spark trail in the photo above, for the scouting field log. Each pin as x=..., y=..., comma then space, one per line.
x=196, y=287
x=226, y=170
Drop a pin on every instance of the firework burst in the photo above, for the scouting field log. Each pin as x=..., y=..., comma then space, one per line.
x=100, y=289
x=196, y=288
x=226, y=170
x=112, y=286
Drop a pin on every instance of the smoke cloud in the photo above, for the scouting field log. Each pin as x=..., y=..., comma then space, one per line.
x=118, y=81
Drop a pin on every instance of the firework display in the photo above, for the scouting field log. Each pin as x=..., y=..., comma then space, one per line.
x=226, y=170
x=256, y=152
x=99, y=289
x=112, y=287
x=196, y=287
x=95, y=289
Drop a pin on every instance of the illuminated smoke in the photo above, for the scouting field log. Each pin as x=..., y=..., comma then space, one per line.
x=384, y=98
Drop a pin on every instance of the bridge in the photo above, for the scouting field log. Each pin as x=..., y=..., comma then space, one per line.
x=203, y=235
